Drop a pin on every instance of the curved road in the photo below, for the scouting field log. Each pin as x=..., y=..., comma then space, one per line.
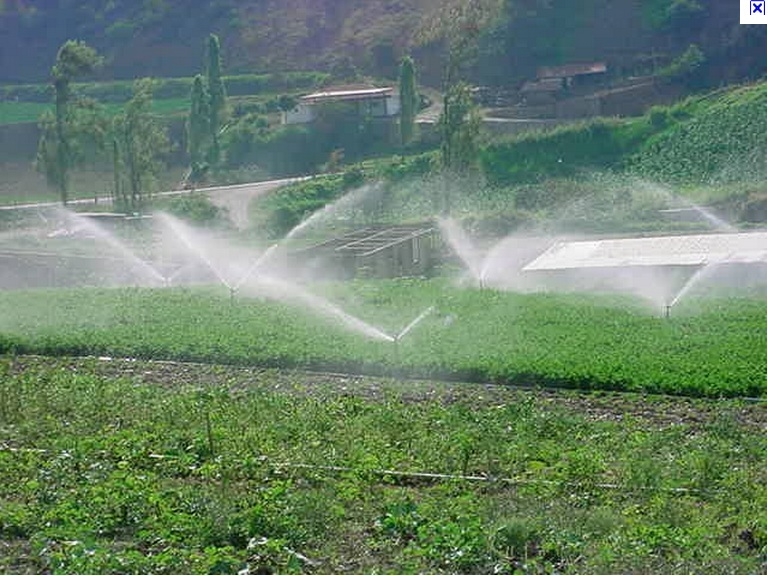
x=234, y=198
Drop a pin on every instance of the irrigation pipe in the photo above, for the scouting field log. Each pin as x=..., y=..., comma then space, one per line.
x=439, y=477
x=429, y=477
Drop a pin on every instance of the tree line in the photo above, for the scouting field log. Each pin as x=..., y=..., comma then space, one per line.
x=137, y=143
x=134, y=139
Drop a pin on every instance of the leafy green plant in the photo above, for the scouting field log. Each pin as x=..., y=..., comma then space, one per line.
x=713, y=348
x=108, y=468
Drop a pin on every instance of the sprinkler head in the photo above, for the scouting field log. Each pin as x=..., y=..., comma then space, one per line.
x=667, y=308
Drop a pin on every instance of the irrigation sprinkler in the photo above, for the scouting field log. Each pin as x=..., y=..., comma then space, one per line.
x=255, y=266
x=667, y=309
x=413, y=323
x=396, y=349
x=399, y=336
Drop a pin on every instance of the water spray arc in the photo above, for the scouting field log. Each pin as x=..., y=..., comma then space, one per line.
x=85, y=223
x=260, y=261
x=463, y=248
x=400, y=335
x=413, y=324
x=694, y=279
x=180, y=231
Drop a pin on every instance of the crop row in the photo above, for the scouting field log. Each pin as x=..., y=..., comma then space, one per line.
x=707, y=348
x=118, y=475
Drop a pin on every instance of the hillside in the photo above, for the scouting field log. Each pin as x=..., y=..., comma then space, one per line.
x=164, y=37
x=598, y=176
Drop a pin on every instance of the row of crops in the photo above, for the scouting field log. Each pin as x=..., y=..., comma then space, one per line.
x=119, y=475
x=712, y=348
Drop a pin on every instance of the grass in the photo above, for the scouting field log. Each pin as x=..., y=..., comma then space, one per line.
x=150, y=469
x=30, y=112
x=713, y=348
x=22, y=184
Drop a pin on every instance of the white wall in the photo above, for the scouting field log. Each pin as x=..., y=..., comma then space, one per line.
x=302, y=114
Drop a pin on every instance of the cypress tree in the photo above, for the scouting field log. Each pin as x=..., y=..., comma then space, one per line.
x=408, y=99
x=217, y=96
x=198, y=128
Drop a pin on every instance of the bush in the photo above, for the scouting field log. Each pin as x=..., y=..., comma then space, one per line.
x=560, y=152
x=194, y=207
x=293, y=203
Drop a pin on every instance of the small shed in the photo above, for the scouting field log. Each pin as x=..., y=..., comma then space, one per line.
x=575, y=73
x=555, y=82
x=375, y=251
x=545, y=91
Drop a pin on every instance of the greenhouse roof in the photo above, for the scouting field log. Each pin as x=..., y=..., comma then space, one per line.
x=690, y=250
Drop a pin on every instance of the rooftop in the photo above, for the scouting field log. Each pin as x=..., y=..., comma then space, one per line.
x=575, y=69
x=693, y=250
x=545, y=85
x=369, y=240
x=356, y=94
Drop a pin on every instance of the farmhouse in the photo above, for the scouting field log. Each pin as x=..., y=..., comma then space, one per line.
x=365, y=102
x=554, y=81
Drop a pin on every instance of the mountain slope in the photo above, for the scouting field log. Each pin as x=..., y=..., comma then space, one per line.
x=165, y=37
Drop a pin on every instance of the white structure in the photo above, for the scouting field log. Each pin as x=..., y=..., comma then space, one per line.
x=691, y=250
x=369, y=102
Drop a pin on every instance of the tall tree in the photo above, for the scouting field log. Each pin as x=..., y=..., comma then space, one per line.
x=460, y=126
x=217, y=95
x=139, y=146
x=458, y=25
x=58, y=145
x=409, y=100
x=198, y=129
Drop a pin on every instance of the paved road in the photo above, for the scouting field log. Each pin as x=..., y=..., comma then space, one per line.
x=235, y=198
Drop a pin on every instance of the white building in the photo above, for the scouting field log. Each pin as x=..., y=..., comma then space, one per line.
x=369, y=102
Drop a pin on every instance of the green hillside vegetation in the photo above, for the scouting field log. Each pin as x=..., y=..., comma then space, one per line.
x=602, y=175
x=30, y=112
x=693, y=141
x=169, y=88
x=715, y=140
x=26, y=102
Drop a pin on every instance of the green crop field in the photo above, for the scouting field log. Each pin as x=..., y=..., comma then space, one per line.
x=196, y=429
x=30, y=112
x=712, y=348
x=142, y=467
